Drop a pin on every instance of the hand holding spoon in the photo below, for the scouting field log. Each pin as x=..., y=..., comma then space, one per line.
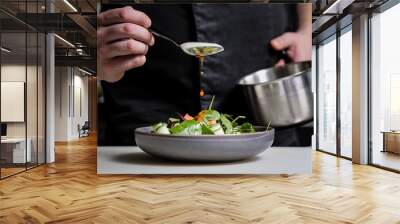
x=197, y=49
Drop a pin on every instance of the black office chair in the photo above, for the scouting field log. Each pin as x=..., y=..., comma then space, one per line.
x=84, y=130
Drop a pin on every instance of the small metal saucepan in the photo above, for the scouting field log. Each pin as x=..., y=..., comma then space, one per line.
x=280, y=95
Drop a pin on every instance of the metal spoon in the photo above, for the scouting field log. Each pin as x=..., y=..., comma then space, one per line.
x=198, y=49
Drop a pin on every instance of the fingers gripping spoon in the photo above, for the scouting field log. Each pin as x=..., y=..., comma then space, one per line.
x=197, y=49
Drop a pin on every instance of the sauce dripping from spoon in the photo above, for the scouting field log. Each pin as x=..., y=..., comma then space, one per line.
x=201, y=62
x=197, y=49
x=200, y=51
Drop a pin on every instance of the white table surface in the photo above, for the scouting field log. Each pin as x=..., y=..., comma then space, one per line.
x=12, y=140
x=19, y=149
x=132, y=160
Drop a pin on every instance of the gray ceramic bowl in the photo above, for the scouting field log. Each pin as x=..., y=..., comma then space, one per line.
x=204, y=148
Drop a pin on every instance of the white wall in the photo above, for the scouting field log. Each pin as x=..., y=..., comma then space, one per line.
x=71, y=87
x=34, y=125
x=62, y=81
x=12, y=101
x=14, y=73
x=80, y=94
x=17, y=73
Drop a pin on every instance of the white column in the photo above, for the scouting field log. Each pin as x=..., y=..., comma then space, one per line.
x=50, y=92
x=50, y=99
x=360, y=90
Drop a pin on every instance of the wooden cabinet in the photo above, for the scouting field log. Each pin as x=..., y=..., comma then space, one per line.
x=391, y=141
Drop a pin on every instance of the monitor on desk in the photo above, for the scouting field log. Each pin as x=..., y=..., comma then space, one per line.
x=3, y=130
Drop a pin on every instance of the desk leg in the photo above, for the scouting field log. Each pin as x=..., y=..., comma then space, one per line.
x=384, y=143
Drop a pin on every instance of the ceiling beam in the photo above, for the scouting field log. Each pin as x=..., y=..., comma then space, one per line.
x=89, y=30
x=337, y=7
x=79, y=61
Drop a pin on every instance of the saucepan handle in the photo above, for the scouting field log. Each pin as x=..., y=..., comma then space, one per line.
x=278, y=55
x=284, y=55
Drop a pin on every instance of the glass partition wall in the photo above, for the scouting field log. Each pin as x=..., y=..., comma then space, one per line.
x=327, y=95
x=334, y=106
x=22, y=88
x=385, y=89
x=334, y=89
x=345, y=93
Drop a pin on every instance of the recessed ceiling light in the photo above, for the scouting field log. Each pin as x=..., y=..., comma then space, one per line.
x=65, y=41
x=5, y=50
x=70, y=5
x=84, y=71
x=337, y=7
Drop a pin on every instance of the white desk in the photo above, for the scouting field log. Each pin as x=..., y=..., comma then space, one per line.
x=16, y=146
x=132, y=160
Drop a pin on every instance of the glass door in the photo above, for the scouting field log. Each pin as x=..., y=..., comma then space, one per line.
x=346, y=72
x=35, y=88
x=22, y=77
x=14, y=153
x=32, y=99
x=327, y=96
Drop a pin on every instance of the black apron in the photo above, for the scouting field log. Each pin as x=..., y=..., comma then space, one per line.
x=170, y=83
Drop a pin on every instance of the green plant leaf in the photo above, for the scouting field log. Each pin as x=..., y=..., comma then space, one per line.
x=205, y=130
x=238, y=117
x=212, y=115
x=190, y=127
x=212, y=103
x=217, y=129
x=160, y=128
x=227, y=124
x=247, y=128
x=172, y=122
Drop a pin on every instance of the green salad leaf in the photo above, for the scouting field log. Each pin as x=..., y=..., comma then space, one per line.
x=206, y=122
x=190, y=127
x=206, y=130
x=211, y=115
x=247, y=128
x=217, y=129
x=161, y=128
x=227, y=124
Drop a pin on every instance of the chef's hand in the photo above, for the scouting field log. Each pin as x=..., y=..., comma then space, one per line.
x=122, y=42
x=298, y=45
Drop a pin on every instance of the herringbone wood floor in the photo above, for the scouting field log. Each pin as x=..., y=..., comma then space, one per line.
x=70, y=191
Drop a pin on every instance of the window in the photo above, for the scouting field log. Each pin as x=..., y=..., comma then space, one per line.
x=346, y=93
x=385, y=89
x=327, y=96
